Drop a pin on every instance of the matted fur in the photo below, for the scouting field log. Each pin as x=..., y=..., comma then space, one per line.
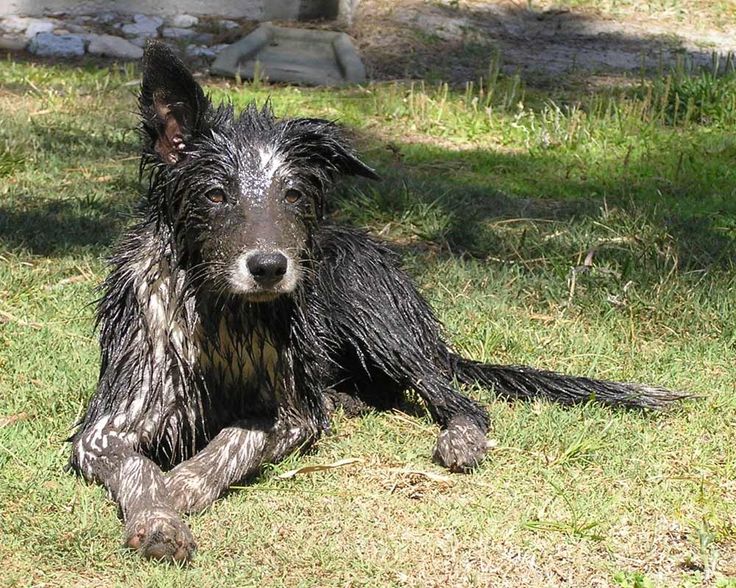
x=235, y=317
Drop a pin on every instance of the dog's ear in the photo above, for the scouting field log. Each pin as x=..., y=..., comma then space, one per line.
x=172, y=103
x=321, y=143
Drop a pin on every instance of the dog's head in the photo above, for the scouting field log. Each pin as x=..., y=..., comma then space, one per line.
x=241, y=193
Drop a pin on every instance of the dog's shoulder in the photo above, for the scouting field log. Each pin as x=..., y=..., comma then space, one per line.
x=144, y=249
x=142, y=272
x=336, y=244
x=352, y=265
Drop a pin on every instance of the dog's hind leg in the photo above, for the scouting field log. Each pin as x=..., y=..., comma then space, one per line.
x=104, y=454
x=236, y=453
x=390, y=334
x=462, y=442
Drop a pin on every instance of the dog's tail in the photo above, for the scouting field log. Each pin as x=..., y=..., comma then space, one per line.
x=525, y=383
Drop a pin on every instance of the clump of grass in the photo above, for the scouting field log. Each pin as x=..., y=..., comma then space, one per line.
x=578, y=524
x=439, y=109
x=686, y=96
x=632, y=580
x=10, y=162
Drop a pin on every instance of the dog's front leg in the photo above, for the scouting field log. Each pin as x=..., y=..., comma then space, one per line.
x=153, y=527
x=236, y=453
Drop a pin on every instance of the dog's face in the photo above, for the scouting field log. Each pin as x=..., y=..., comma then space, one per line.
x=243, y=193
x=245, y=205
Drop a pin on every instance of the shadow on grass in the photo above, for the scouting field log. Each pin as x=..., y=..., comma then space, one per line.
x=70, y=196
x=66, y=143
x=467, y=201
x=54, y=228
x=463, y=201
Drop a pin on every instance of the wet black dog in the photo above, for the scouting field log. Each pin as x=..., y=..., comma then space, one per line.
x=235, y=318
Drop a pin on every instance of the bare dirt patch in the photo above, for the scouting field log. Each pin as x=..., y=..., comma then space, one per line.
x=456, y=41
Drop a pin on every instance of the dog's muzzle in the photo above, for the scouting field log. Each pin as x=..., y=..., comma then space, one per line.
x=262, y=275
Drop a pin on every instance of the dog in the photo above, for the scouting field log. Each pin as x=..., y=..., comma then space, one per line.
x=235, y=318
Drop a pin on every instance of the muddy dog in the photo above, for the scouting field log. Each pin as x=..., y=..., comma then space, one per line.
x=235, y=318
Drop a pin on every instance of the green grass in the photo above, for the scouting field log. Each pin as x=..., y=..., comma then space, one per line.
x=593, y=234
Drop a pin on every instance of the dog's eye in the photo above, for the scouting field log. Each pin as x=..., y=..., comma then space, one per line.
x=292, y=196
x=216, y=196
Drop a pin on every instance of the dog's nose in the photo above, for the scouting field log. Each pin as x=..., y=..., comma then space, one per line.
x=267, y=269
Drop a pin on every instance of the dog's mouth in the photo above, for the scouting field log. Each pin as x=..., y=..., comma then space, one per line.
x=264, y=296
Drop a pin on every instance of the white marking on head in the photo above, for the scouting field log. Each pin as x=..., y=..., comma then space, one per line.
x=271, y=162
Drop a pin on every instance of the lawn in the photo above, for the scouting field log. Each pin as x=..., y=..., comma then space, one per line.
x=587, y=232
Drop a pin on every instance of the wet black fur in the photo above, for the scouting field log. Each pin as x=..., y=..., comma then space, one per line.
x=354, y=327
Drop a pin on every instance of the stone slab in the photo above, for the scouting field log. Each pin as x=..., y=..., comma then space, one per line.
x=13, y=42
x=230, y=8
x=302, y=56
x=50, y=45
x=40, y=26
x=143, y=25
x=111, y=46
x=182, y=21
x=251, y=9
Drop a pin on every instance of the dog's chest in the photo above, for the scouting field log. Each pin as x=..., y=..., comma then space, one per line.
x=241, y=361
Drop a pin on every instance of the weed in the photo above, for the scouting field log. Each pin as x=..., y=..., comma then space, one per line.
x=632, y=580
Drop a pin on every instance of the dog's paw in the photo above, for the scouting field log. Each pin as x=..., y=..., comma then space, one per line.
x=160, y=534
x=189, y=492
x=461, y=446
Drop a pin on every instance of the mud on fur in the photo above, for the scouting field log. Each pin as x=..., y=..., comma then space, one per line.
x=235, y=318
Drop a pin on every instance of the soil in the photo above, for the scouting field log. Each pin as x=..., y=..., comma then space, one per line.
x=458, y=41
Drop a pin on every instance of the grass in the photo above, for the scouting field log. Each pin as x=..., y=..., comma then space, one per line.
x=588, y=233
x=701, y=13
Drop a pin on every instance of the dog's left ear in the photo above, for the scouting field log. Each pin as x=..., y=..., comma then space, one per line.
x=321, y=143
x=172, y=103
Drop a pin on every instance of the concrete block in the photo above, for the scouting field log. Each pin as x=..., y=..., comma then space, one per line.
x=302, y=56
